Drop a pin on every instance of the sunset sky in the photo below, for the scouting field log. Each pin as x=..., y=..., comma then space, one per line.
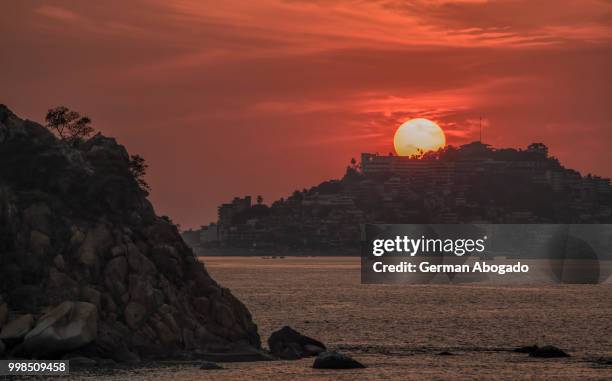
x=227, y=98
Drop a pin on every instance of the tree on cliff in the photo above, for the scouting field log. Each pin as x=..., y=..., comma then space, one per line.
x=69, y=125
x=72, y=127
x=138, y=168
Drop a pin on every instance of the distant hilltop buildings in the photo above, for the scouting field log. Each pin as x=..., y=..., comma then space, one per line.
x=445, y=167
x=473, y=183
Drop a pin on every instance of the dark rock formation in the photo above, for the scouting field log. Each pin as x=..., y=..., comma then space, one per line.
x=87, y=267
x=67, y=327
x=526, y=349
x=209, y=365
x=289, y=344
x=335, y=360
x=604, y=361
x=16, y=329
x=546, y=351
x=82, y=362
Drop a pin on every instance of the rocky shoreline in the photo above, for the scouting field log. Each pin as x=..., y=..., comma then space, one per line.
x=90, y=273
x=87, y=269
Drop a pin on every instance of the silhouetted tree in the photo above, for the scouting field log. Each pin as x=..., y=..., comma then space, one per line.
x=297, y=195
x=351, y=172
x=138, y=169
x=418, y=155
x=70, y=126
x=538, y=148
x=259, y=200
x=356, y=166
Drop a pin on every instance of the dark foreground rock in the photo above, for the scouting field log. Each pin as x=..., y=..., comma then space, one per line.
x=546, y=351
x=335, y=360
x=604, y=361
x=245, y=355
x=67, y=327
x=526, y=349
x=16, y=329
x=289, y=344
x=88, y=268
x=209, y=365
x=82, y=362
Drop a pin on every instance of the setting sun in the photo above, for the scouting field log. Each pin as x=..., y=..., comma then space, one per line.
x=418, y=136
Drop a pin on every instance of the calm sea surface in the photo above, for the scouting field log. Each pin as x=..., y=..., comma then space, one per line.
x=398, y=330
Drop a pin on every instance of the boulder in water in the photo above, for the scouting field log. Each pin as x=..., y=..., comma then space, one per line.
x=526, y=349
x=335, y=360
x=289, y=344
x=604, y=361
x=548, y=351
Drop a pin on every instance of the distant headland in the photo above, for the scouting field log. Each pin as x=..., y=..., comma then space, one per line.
x=473, y=183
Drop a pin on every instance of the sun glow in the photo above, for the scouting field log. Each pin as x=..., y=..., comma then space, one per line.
x=418, y=136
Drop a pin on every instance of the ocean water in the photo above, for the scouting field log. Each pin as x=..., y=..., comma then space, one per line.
x=398, y=331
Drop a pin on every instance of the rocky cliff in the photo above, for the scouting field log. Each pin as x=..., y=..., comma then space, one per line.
x=86, y=266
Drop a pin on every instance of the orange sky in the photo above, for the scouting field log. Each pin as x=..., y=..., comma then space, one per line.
x=264, y=97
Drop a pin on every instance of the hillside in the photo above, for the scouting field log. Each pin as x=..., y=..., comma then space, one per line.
x=86, y=266
x=473, y=183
